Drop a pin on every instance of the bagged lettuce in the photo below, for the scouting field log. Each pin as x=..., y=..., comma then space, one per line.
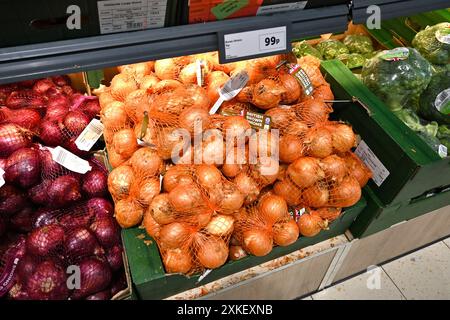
x=331, y=48
x=435, y=100
x=398, y=77
x=358, y=44
x=434, y=43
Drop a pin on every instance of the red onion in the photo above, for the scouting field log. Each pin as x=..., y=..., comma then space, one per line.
x=26, y=267
x=107, y=231
x=75, y=122
x=45, y=240
x=80, y=242
x=91, y=108
x=63, y=191
x=76, y=217
x=56, y=113
x=18, y=292
x=115, y=259
x=95, y=276
x=57, y=98
x=102, y=295
x=25, y=118
x=95, y=183
x=2, y=226
x=44, y=217
x=38, y=193
x=54, y=91
x=49, y=167
x=48, y=282
x=22, y=221
x=8, y=268
x=68, y=90
x=79, y=99
x=23, y=168
x=100, y=207
x=118, y=284
x=51, y=133
x=72, y=147
x=61, y=80
x=26, y=83
x=12, y=200
x=12, y=138
x=41, y=86
x=3, y=163
x=25, y=99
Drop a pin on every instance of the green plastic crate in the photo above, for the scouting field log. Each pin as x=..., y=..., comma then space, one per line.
x=414, y=168
x=151, y=282
x=377, y=217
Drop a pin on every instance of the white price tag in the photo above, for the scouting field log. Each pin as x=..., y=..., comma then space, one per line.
x=69, y=161
x=230, y=89
x=380, y=173
x=89, y=135
x=2, y=180
x=199, y=72
x=122, y=15
x=250, y=43
x=442, y=151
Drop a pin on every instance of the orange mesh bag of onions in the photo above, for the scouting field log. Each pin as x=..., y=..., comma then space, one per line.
x=261, y=226
x=170, y=69
x=357, y=168
x=138, y=70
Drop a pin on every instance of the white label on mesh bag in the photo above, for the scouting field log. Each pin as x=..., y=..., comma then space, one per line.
x=443, y=35
x=2, y=180
x=90, y=135
x=380, y=173
x=442, y=102
x=69, y=161
x=230, y=89
x=199, y=65
x=442, y=151
x=121, y=15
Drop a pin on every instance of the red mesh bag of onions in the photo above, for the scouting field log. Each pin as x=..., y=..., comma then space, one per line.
x=261, y=226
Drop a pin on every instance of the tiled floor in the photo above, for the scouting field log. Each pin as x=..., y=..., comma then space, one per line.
x=424, y=274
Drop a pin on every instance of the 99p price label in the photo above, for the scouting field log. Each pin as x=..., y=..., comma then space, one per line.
x=253, y=44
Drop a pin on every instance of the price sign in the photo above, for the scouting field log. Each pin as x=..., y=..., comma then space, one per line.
x=253, y=44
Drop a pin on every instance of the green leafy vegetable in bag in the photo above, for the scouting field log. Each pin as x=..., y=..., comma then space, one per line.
x=397, y=77
x=303, y=48
x=331, y=48
x=435, y=100
x=358, y=44
x=434, y=43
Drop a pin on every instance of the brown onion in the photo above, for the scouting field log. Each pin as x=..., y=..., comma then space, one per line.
x=292, y=88
x=220, y=225
x=167, y=69
x=227, y=197
x=208, y=176
x=164, y=86
x=235, y=127
x=114, y=115
x=161, y=209
x=148, y=81
x=315, y=196
x=288, y=191
x=297, y=128
x=313, y=111
x=152, y=227
x=285, y=233
x=343, y=138
x=194, y=120
x=184, y=198
x=273, y=209
x=128, y=213
x=236, y=253
x=257, y=242
x=122, y=85
x=146, y=162
x=267, y=94
x=177, y=261
x=280, y=117
x=305, y=172
x=212, y=253
x=120, y=181
x=175, y=176
x=334, y=168
x=310, y=225
x=175, y=235
x=318, y=142
x=329, y=213
x=345, y=194
x=147, y=190
x=125, y=142
x=291, y=148
x=247, y=186
x=199, y=98
x=357, y=169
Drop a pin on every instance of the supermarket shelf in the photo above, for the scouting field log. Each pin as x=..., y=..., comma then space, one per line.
x=60, y=57
x=395, y=8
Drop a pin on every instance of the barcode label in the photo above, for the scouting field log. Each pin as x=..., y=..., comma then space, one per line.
x=90, y=135
x=134, y=25
x=70, y=161
x=442, y=102
x=2, y=180
x=380, y=172
x=302, y=78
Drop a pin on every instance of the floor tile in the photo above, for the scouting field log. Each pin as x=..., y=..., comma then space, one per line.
x=447, y=242
x=372, y=285
x=424, y=274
